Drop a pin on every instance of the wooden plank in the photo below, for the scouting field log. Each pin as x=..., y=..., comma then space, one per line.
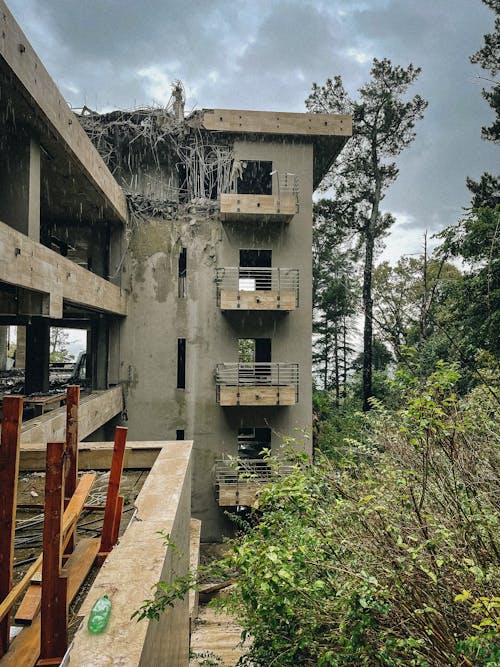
x=9, y=471
x=52, y=108
x=53, y=636
x=79, y=563
x=28, y=264
x=115, y=475
x=72, y=402
x=273, y=122
x=258, y=300
x=70, y=517
x=25, y=648
x=7, y=603
x=118, y=519
x=244, y=207
x=257, y=395
x=243, y=493
x=30, y=605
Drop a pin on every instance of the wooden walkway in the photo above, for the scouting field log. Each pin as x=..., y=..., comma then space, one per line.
x=217, y=633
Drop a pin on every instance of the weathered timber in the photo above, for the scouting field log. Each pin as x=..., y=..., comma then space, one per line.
x=257, y=395
x=258, y=300
x=274, y=122
x=258, y=207
x=111, y=515
x=241, y=493
x=9, y=469
x=72, y=402
x=54, y=614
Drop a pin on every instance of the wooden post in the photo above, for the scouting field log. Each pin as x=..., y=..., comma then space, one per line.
x=9, y=469
x=72, y=403
x=53, y=639
x=112, y=504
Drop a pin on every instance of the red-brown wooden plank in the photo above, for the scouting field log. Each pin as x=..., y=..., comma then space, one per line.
x=53, y=638
x=9, y=468
x=115, y=475
x=72, y=403
x=118, y=519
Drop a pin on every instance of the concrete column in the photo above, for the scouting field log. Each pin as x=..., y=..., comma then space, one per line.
x=4, y=337
x=20, y=347
x=37, y=355
x=20, y=185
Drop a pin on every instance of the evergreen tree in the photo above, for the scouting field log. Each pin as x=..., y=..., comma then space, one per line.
x=384, y=124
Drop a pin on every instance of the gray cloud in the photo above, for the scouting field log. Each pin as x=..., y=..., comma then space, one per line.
x=265, y=55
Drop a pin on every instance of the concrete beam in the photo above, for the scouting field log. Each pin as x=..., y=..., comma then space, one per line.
x=95, y=410
x=139, y=455
x=273, y=122
x=30, y=265
x=135, y=565
x=48, y=103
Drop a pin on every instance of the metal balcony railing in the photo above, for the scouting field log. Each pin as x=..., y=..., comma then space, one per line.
x=281, y=205
x=238, y=480
x=263, y=383
x=258, y=374
x=280, y=285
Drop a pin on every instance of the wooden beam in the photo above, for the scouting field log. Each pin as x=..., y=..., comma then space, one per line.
x=53, y=637
x=51, y=107
x=257, y=395
x=111, y=512
x=9, y=469
x=30, y=265
x=273, y=122
x=72, y=402
x=27, y=609
x=265, y=208
x=25, y=648
x=284, y=300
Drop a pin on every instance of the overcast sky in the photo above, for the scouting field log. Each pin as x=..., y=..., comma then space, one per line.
x=265, y=54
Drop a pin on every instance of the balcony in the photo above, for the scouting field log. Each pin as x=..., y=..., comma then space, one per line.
x=238, y=481
x=280, y=206
x=262, y=383
x=256, y=288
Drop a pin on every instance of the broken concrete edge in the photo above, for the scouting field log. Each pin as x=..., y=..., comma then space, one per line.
x=141, y=559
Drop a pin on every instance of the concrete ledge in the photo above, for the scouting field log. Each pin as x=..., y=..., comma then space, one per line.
x=135, y=565
x=30, y=265
x=48, y=103
x=194, y=563
x=140, y=455
x=95, y=410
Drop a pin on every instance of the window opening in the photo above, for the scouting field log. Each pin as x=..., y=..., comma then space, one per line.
x=252, y=274
x=181, y=363
x=253, y=441
x=179, y=434
x=255, y=178
x=182, y=274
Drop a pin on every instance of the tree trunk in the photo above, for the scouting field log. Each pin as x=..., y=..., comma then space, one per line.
x=368, y=314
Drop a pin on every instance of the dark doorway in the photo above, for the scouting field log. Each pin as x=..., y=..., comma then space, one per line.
x=252, y=274
x=252, y=442
x=255, y=178
x=181, y=363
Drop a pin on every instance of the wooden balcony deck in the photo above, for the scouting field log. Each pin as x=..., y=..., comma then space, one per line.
x=265, y=208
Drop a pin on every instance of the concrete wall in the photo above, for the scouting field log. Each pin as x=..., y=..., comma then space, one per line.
x=162, y=505
x=157, y=318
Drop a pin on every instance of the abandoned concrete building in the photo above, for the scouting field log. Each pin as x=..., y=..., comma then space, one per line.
x=182, y=246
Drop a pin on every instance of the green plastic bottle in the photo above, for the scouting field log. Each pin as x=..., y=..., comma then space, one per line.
x=99, y=615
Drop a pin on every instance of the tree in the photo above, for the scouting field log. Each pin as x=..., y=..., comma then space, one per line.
x=335, y=296
x=406, y=298
x=383, y=125
x=488, y=58
x=59, y=341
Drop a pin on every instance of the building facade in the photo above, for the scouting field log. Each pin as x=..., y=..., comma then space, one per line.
x=183, y=246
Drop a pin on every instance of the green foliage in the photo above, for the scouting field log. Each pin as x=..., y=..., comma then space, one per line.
x=362, y=562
